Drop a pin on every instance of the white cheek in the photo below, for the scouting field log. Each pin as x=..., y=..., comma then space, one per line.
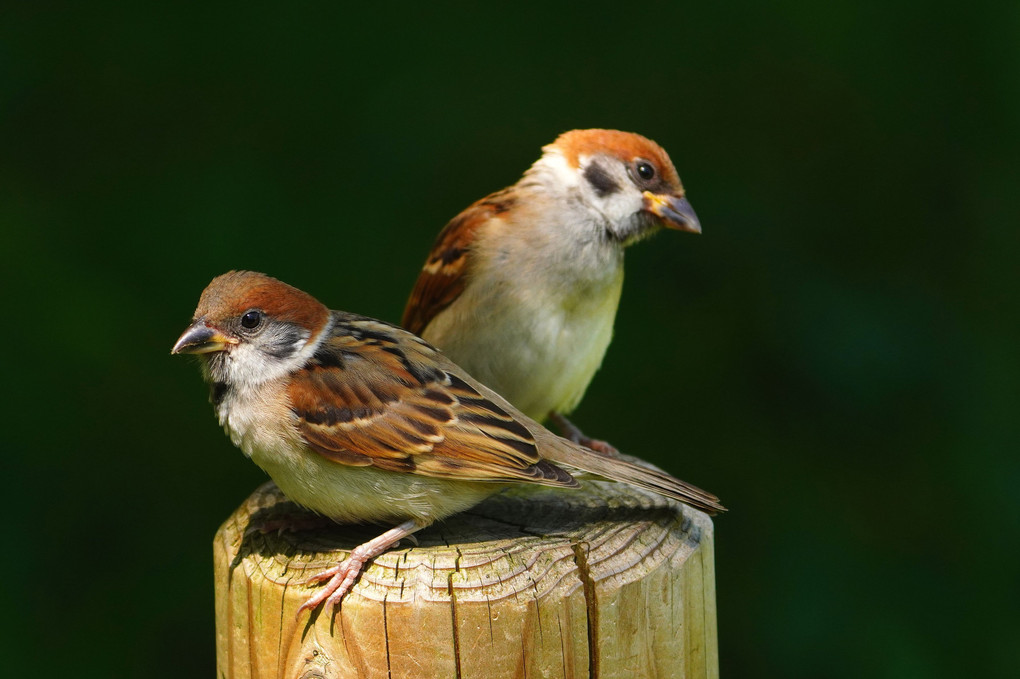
x=247, y=365
x=620, y=206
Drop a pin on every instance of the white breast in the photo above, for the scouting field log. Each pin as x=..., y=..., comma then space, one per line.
x=536, y=333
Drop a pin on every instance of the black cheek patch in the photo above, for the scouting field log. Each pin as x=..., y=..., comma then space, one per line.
x=600, y=180
x=283, y=344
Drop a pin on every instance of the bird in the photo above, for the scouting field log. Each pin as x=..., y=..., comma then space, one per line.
x=521, y=288
x=361, y=421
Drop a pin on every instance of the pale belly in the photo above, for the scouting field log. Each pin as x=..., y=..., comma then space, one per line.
x=539, y=354
x=357, y=494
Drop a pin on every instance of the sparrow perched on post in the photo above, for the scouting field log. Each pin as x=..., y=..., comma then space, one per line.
x=361, y=421
x=521, y=288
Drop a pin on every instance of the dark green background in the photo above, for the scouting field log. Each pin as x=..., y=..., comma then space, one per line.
x=836, y=356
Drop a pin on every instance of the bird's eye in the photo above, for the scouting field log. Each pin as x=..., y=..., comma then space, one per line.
x=251, y=319
x=645, y=170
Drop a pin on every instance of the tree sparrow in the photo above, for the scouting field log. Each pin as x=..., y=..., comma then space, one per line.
x=361, y=421
x=521, y=288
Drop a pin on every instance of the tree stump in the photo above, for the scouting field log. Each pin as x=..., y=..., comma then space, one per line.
x=606, y=581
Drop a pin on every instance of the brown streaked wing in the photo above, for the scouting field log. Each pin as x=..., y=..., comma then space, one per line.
x=444, y=275
x=376, y=395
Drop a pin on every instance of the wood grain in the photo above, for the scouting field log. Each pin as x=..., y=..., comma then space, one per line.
x=607, y=581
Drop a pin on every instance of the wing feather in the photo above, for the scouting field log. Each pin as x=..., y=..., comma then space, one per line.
x=444, y=276
x=372, y=395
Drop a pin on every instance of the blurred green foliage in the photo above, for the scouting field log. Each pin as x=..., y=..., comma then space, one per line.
x=836, y=356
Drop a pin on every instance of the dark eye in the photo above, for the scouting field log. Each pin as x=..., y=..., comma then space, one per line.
x=645, y=170
x=251, y=319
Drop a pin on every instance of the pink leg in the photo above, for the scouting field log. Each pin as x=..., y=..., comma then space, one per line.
x=570, y=431
x=342, y=576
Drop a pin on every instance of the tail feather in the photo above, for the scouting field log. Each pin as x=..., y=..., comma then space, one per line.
x=618, y=469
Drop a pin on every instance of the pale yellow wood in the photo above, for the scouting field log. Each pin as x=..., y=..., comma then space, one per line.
x=608, y=581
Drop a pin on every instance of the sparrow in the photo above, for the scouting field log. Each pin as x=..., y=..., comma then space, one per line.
x=521, y=288
x=361, y=421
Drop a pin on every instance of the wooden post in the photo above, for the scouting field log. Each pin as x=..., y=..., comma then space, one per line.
x=607, y=581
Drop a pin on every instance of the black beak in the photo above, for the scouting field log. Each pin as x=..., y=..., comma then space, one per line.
x=200, y=338
x=675, y=211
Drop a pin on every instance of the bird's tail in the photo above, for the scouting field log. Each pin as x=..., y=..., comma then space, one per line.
x=647, y=477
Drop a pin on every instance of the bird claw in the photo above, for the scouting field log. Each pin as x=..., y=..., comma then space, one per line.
x=341, y=578
x=598, y=445
x=572, y=432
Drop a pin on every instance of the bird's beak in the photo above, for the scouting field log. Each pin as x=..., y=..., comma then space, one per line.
x=199, y=338
x=675, y=211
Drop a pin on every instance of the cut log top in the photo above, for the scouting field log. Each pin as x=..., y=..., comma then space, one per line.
x=607, y=581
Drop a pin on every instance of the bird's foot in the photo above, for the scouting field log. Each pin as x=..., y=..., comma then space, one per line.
x=598, y=445
x=342, y=576
x=570, y=431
